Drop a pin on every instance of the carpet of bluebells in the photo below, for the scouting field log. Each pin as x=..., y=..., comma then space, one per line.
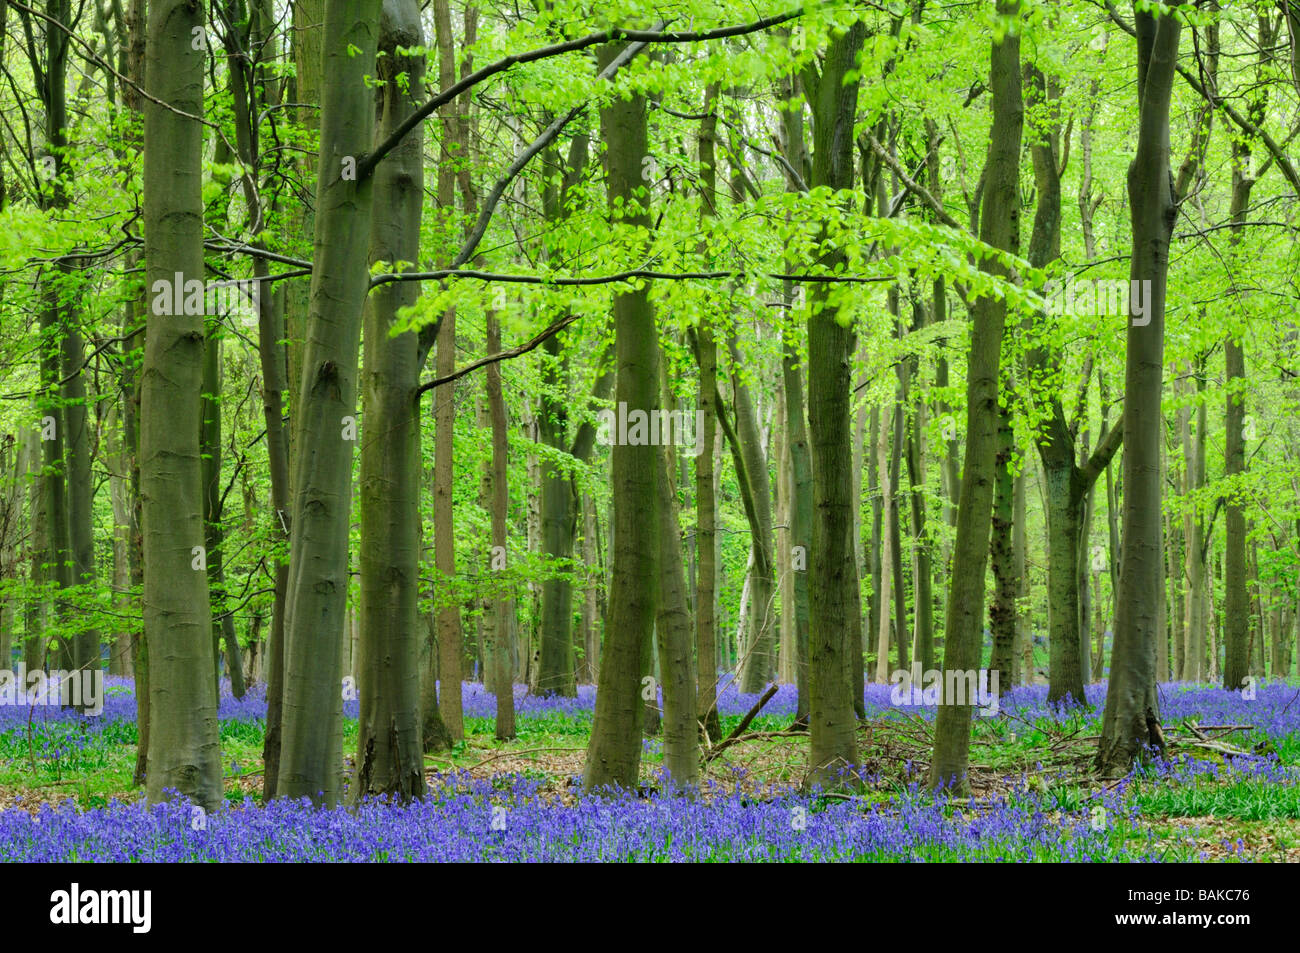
x=519, y=817
x=506, y=820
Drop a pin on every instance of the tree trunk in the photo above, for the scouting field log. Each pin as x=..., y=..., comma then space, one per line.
x=13, y=473
x=999, y=228
x=885, y=624
x=133, y=325
x=558, y=497
x=1081, y=584
x=555, y=665
x=834, y=572
x=878, y=601
x=759, y=664
x=922, y=572
x=706, y=534
x=119, y=492
x=223, y=622
x=1236, y=609
x=1064, y=519
x=36, y=612
x=311, y=753
x=1022, y=663
x=902, y=632
x=593, y=607
x=1067, y=482
x=800, y=520
x=184, y=750
x=673, y=633
x=1002, y=610
x=447, y=613
x=614, y=751
x=81, y=539
x=1193, y=532
x=281, y=336
x=781, y=553
x=1132, y=718
x=706, y=511
x=1173, y=570
x=498, y=623
x=53, y=326
x=389, y=758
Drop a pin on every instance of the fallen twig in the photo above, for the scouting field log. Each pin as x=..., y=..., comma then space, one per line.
x=744, y=723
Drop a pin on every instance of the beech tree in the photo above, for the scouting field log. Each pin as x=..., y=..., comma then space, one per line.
x=832, y=95
x=389, y=747
x=184, y=751
x=1132, y=719
x=999, y=229
x=325, y=419
x=783, y=248
x=614, y=751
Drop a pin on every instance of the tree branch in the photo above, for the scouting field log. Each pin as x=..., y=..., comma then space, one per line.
x=506, y=355
x=366, y=163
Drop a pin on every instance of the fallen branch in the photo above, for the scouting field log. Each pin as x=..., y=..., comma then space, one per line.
x=506, y=754
x=1200, y=728
x=744, y=723
x=1220, y=747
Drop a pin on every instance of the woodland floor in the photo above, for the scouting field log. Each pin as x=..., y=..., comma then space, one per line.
x=1229, y=790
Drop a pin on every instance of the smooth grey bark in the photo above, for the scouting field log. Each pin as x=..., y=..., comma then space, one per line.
x=1023, y=663
x=673, y=633
x=1192, y=174
x=36, y=612
x=706, y=512
x=1236, y=609
x=119, y=464
x=902, y=631
x=311, y=753
x=800, y=519
x=614, y=750
x=252, y=89
x=281, y=339
x=1173, y=564
x=223, y=622
x=593, y=603
x=1237, y=603
x=558, y=496
x=871, y=565
x=999, y=228
x=884, y=622
x=450, y=638
x=13, y=474
x=55, y=326
x=922, y=575
x=1132, y=718
x=759, y=658
x=796, y=428
x=706, y=536
x=558, y=512
x=433, y=731
x=555, y=674
x=56, y=556
x=81, y=540
x=781, y=551
x=133, y=327
x=389, y=759
x=499, y=618
x=833, y=585
x=1002, y=610
x=1194, y=549
x=184, y=750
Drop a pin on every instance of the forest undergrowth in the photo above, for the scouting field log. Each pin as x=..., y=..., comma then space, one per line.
x=1226, y=788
